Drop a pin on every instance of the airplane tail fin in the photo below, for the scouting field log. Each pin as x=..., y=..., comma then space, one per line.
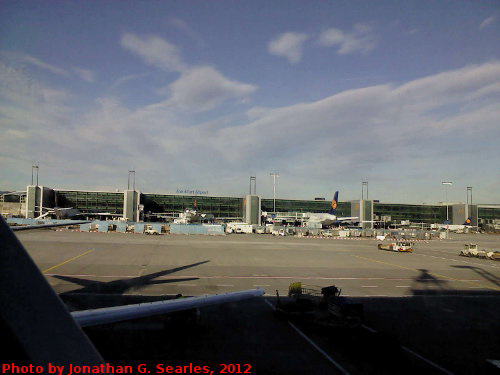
x=333, y=208
x=468, y=221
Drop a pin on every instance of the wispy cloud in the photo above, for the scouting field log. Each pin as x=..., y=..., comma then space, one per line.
x=85, y=74
x=361, y=39
x=198, y=88
x=21, y=58
x=289, y=45
x=420, y=121
x=154, y=51
x=203, y=88
x=183, y=26
x=487, y=22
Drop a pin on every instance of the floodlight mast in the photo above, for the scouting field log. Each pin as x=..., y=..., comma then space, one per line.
x=274, y=175
x=446, y=183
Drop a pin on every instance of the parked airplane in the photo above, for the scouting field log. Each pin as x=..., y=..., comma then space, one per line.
x=456, y=227
x=331, y=217
x=193, y=216
x=71, y=213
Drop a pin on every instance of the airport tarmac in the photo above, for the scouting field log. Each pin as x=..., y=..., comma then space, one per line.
x=433, y=310
x=195, y=265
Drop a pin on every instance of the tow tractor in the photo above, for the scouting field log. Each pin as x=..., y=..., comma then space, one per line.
x=399, y=246
x=320, y=306
x=470, y=250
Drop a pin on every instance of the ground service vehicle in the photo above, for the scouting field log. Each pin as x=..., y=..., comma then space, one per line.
x=319, y=306
x=400, y=246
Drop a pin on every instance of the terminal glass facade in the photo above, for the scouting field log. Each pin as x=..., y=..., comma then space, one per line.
x=294, y=205
x=220, y=207
x=90, y=201
x=415, y=213
x=233, y=207
x=489, y=213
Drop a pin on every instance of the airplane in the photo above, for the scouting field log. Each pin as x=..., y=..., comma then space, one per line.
x=331, y=217
x=71, y=213
x=36, y=324
x=456, y=227
x=193, y=216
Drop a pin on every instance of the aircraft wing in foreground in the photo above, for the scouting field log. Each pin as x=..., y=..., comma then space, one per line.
x=38, y=326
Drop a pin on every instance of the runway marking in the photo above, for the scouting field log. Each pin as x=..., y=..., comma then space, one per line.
x=251, y=277
x=330, y=359
x=67, y=261
x=426, y=360
x=413, y=353
x=402, y=286
x=368, y=328
x=369, y=286
x=460, y=260
x=430, y=273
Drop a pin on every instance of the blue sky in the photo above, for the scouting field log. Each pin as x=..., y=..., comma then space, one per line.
x=202, y=94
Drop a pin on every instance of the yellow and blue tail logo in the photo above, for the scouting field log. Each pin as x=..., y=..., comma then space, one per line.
x=468, y=221
x=333, y=209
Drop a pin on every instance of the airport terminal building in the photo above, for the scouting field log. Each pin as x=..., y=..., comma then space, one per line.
x=133, y=205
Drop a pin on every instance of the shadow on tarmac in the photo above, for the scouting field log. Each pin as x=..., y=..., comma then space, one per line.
x=486, y=275
x=123, y=285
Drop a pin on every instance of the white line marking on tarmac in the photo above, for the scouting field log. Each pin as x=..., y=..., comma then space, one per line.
x=412, y=352
x=186, y=284
x=368, y=328
x=261, y=285
x=426, y=360
x=460, y=260
x=312, y=343
x=243, y=277
x=369, y=286
x=402, y=286
x=318, y=349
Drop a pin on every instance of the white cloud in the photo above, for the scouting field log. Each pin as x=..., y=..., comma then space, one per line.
x=203, y=88
x=85, y=74
x=289, y=45
x=182, y=26
x=397, y=134
x=361, y=39
x=20, y=58
x=154, y=51
x=198, y=88
x=488, y=21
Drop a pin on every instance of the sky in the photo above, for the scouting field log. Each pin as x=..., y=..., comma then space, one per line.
x=201, y=95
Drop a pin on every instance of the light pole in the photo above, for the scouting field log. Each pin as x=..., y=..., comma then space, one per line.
x=128, y=180
x=446, y=183
x=469, y=190
x=469, y=205
x=274, y=174
x=363, y=184
x=254, y=179
x=33, y=167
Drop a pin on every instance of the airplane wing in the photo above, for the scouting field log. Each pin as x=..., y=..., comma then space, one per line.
x=88, y=318
x=352, y=218
x=37, y=322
